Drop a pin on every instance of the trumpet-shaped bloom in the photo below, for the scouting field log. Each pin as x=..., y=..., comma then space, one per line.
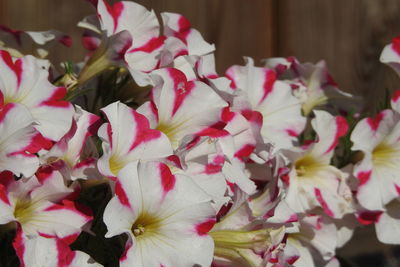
x=377, y=173
x=241, y=239
x=125, y=34
x=313, y=181
x=387, y=222
x=391, y=55
x=176, y=25
x=67, y=155
x=315, y=241
x=166, y=217
x=143, y=27
x=312, y=84
x=179, y=107
x=16, y=135
x=38, y=206
x=49, y=251
x=24, y=81
x=259, y=91
x=206, y=172
x=127, y=137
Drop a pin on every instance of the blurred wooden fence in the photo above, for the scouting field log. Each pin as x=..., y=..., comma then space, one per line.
x=349, y=35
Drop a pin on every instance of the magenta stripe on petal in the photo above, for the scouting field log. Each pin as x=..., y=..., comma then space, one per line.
x=65, y=254
x=19, y=246
x=205, y=227
x=121, y=194
x=6, y=177
x=369, y=217
x=153, y=44
x=167, y=178
x=253, y=116
x=182, y=88
x=124, y=255
x=115, y=12
x=374, y=122
x=144, y=133
x=341, y=130
x=15, y=67
x=269, y=80
x=66, y=40
x=4, y=110
x=396, y=96
x=363, y=177
x=245, y=151
x=3, y=195
x=43, y=173
x=396, y=44
x=56, y=99
x=323, y=203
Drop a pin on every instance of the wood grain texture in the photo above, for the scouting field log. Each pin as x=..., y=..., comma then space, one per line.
x=238, y=28
x=41, y=15
x=349, y=35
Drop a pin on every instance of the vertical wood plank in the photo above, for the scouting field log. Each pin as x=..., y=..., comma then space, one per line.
x=238, y=28
x=43, y=15
x=349, y=35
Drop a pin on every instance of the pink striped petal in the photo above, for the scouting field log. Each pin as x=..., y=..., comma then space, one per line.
x=31, y=202
x=173, y=210
x=16, y=136
x=273, y=99
x=49, y=251
x=378, y=139
x=179, y=107
x=178, y=26
x=125, y=15
x=387, y=224
x=71, y=148
x=329, y=129
x=391, y=55
x=24, y=81
x=126, y=138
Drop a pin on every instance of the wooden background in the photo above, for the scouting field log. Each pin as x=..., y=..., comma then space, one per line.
x=349, y=35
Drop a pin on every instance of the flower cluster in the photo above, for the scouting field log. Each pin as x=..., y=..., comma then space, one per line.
x=142, y=155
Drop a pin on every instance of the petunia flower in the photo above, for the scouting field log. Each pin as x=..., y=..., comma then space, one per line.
x=386, y=222
x=391, y=55
x=130, y=37
x=25, y=82
x=315, y=241
x=163, y=213
x=181, y=40
x=313, y=181
x=313, y=85
x=49, y=251
x=17, y=133
x=68, y=154
x=242, y=239
x=377, y=173
x=39, y=206
x=176, y=25
x=179, y=108
x=127, y=137
x=259, y=90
